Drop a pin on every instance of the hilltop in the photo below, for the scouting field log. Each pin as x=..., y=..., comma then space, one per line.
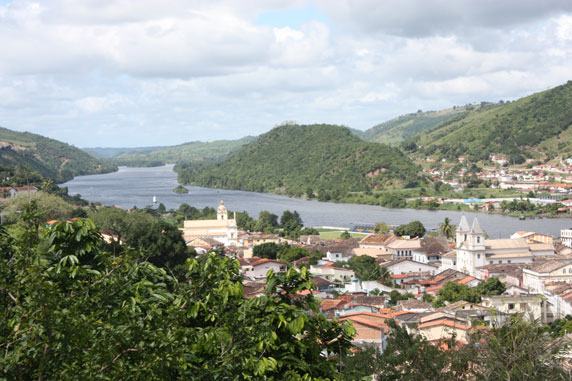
x=537, y=125
x=49, y=157
x=396, y=130
x=306, y=160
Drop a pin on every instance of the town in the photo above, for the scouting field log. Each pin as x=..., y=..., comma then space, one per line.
x=497, y=182
x=486, y=280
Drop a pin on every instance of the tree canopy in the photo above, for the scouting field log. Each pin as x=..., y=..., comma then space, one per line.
x=71, y=310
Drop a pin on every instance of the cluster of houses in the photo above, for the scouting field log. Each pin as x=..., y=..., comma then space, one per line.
x=553, y=179
x=535, y=268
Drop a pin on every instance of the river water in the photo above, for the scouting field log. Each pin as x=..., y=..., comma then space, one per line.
x=136, y=187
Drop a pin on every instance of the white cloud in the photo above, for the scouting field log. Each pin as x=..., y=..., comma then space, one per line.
x=163, y=73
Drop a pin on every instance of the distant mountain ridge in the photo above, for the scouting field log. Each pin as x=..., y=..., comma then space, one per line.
x=397, y=130
x=519, y=129
x=109, y=152
x=192, y=151
x=303, y=160
x=49, y=157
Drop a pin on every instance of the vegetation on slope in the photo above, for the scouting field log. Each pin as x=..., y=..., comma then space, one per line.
x=187, y=152
x=49, y=157
x=323, y=160
x=404, y=126
x=516, y=129
x=109, y=152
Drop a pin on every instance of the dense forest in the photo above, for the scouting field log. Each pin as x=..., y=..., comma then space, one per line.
x=516, y=129
x=48, y=157
x=321, y=161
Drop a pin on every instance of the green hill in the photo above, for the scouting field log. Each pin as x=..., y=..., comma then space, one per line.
x=49, y=157
x=302, y=160
x=404, y=126
x=193, y=151
x=537, y=124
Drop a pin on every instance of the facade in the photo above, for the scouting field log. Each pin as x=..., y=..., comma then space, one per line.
x=403, y=248
x=333, y=274
x=535, y=278
x=222, y=229
x=566, y=237
x=404, y=266
x=532, y=306
x=470, y=246
x=258, y=269
x=474, y=251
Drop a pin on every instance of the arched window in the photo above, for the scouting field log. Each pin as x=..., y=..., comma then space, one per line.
x=465, y=238
x=478, y=239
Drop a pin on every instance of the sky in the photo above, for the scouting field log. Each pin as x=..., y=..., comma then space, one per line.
x=124, y=73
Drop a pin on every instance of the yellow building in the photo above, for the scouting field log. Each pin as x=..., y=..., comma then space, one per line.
x=222, y=229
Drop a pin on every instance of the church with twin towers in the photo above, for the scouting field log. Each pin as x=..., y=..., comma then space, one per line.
x=473, y=250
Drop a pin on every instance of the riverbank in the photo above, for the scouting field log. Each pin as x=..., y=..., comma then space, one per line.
x=136, y=187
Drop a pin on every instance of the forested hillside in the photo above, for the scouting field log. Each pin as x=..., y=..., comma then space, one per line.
x=51, y=158
x=404, y=126
x=109, y=152
x=323, y=160
x=193, y=151
x=517, y=129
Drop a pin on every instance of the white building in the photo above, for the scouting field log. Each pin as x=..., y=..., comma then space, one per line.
x=535, y=278
x=566, y=236
x=222, y=229
x=473, y=250
x=404, y=266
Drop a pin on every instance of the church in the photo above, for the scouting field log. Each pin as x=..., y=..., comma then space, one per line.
x=223, y=229
x=473, y=250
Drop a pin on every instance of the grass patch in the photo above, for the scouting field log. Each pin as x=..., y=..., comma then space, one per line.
x=337, y=234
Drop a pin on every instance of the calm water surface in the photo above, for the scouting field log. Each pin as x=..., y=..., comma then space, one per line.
x=136, y=187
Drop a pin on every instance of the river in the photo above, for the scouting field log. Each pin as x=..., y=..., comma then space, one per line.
x=136, y=187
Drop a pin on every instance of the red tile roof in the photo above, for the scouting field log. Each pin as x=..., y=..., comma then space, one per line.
x=366, y=322
x=466, y=280
x=446, y=322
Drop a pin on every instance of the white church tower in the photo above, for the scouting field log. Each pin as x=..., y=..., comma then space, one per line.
x=222, y=212
x=470, y=247
x=461, y=232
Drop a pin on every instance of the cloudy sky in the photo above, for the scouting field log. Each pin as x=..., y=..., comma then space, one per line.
x=147, y=72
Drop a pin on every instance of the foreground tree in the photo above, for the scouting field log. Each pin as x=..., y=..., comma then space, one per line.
x=522, y=351
x=70, y=310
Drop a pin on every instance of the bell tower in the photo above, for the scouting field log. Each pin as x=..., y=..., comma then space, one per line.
x=222, y=212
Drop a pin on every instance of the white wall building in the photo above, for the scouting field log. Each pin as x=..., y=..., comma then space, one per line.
x=473, y=250
x=566, y=236
x=222, y=229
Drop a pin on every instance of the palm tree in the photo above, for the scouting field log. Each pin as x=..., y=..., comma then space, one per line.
x=446, y=228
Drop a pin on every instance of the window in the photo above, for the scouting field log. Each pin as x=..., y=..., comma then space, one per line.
x=564, y=271
x=478, y=256
x=465, y=238
x=500, y=261
x=511, y=306
x=491, y=262
x=478, y=239
x=508, y=261
x=570, y=270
